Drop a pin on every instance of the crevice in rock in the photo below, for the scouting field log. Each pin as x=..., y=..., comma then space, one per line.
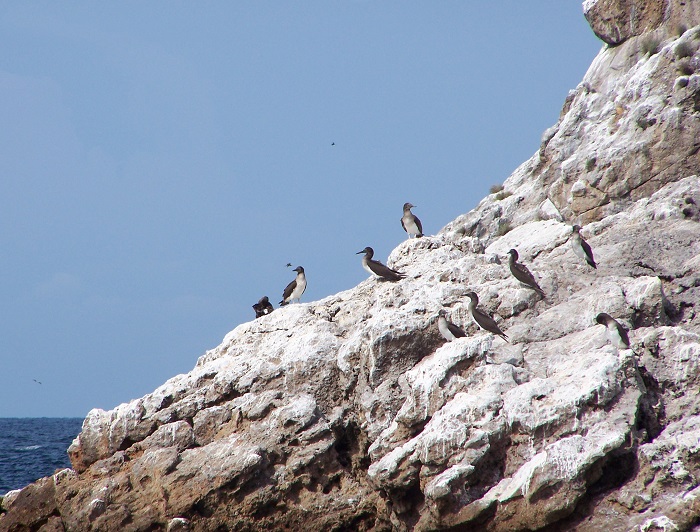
x=128, y=442
x=407, y=504
x=459, y=369
x=677, y=313
x=651, y=413
x=351, y=446
x=610, y=474
x=363, y=521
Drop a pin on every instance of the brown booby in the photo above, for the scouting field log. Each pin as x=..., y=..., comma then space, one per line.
x=448, y=329
x=482, y=319
x=377, y=268
x=522, y=274
x=295, y=288
x=410, y=222
x=581, y=247
x=263, y=307
x=614, y=331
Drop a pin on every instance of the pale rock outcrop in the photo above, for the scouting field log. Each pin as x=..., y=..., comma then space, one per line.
x=352, y=413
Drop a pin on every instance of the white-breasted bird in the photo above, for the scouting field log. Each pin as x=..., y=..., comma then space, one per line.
x=615, y=332
x=295, y=288
x=581, y=247
x=378, y=269
x=448, y=329
x=410, y=222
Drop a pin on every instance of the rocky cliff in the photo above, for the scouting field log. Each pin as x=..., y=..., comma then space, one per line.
x=352, y=413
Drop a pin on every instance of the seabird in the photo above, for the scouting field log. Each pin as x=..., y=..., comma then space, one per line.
x=581, y=247
x=377, y=268
x=410, y=222
x=482, y=319
x=449, y=330
x=522, y=274
x=36, y=381
x=289, y=265
x=263, y=307
x=615, y=332
x=295, y=288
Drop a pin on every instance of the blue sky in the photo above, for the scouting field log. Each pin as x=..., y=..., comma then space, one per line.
x=161, y=163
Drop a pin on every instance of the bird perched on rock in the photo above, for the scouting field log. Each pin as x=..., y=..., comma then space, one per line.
x=482, y=319
x=377, y=268
x=295, y=288
x=614, y=331
x=448, y=329
x=263, y=307
x=581, y=247
x=410, y=222
x=522, y=274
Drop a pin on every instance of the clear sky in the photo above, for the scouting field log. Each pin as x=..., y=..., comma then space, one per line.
x=162, y=162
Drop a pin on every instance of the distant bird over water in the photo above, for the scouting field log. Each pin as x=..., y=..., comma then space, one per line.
x=581, y=247
x=36, y=381
x=410, y=222
x=448, y=329
x=614, y=331
x=295, y=288
x=263, y=307
x=378, y=269
x=482, y=319
x=522, y=274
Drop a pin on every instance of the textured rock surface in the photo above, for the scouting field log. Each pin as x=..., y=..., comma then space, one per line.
x=352, y=413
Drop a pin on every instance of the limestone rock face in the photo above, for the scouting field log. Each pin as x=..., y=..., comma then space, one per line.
x=615, y=21
x=352, y=413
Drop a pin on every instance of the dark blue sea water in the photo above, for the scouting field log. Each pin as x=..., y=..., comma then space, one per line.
x=31, y=448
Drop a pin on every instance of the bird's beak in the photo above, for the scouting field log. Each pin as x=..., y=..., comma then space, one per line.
x=360, y=252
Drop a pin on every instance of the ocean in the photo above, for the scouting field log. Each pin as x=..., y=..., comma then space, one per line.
x=31, y=448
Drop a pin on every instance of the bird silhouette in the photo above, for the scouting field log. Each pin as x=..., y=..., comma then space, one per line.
x=263, y=307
